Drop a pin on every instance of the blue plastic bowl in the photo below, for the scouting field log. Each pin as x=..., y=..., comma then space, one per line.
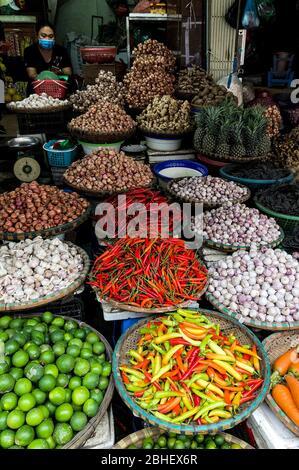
x=173, y=169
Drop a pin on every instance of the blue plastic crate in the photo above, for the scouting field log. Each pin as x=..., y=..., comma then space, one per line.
x=60, y=157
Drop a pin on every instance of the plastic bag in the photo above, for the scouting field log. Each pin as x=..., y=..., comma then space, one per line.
x=231, y=16
x=235, y=88
x=250, y=17
x=266, y=9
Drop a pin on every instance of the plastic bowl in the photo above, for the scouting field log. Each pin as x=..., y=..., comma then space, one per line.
x=90, y=148
x=165, y=144
x=173, y=169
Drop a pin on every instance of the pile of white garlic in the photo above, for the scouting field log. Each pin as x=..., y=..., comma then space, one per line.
x=32, y=269
x=38, y=102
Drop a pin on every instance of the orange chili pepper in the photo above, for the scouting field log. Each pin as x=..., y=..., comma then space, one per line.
x=227, y=397
x=125, y=378
x=169, y=406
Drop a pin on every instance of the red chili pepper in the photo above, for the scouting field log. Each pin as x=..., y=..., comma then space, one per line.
x=196, y=400
x=176, y=341
x=139, y=394
x=253, y=388
x=190, y=370
x=248, y=398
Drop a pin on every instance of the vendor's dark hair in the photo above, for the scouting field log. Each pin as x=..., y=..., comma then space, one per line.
x=44, y=24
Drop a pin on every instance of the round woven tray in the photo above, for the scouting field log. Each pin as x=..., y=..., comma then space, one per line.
x=98, y=194
x=207, y=205
x=82, y=436
x=55, y=295
x=137, y=438
x=229, y=326
x=50, y=109
x=47, y=233
x=276, y=345
x=261, y=325
x=231, y=248
x=101, y=138
x=236, y=160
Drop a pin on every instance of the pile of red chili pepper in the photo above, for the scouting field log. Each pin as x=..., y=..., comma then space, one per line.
x=185, y=370
x=150, y=214
x=149, y=273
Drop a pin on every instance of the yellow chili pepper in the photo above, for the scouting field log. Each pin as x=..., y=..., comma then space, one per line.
x=220, y=413
x=215, y=348
x=191, y=341
x=187, y=403
x=170, y=353
x=246, y=351
x=161, y=372
x=186, y=415
x=136, y=355
x=237, y=399
x=157, y=364
x=210, y=386
x=220, y=357
x=162, y=339
x=244, y=366
x=229, y=369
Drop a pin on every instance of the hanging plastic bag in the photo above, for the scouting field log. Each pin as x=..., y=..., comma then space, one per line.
x=250, y=17
x=233, y=84
x=266, y=9
x=231, y=16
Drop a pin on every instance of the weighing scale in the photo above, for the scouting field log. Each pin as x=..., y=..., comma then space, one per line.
x=28, y=158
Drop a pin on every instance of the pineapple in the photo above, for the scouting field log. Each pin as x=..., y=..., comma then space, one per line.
x=237, y=150
x=223, y=147
x=213, y=118
x=200, y=120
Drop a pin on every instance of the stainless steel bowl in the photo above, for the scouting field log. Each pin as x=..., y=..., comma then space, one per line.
x=23, y=142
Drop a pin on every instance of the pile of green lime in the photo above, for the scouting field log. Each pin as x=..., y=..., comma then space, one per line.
x=53, y=377
x=175, y=441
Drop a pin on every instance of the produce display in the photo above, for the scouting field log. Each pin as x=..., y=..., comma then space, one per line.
x=285, y=383
x=193, y=79
x=108, y=171
x=207, y=189
x=286, y=150
x=291, y=242
x=104, y=118
x=185, y=370
x=208, y=92
x=54, y=375
x=106, y=88
x=177, y=441
x=33, y=207
x=238, y=225
x=32, y=269
x=227, y=131
x=271, y=112
x=166, y=115
x=153, y=202
x=149, y=273
x=38, y=102
x=283, y=199
x=258, y=171
x=260, y=285
x=150, y=75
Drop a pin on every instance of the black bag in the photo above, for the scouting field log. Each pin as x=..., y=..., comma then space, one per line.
x=231, y=16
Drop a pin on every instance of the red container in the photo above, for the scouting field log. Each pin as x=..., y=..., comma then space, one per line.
x=98, y=54
x=54, y=88
x=213, y=165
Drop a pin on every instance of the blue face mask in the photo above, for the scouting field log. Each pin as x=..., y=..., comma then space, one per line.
x=46, y=43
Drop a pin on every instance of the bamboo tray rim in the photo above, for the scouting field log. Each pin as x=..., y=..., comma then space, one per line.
x=90, y=192
x=57, y=294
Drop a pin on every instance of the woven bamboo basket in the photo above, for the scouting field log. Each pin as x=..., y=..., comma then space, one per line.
x=100, y=137
x=137, y=438
x=261, y=325
x=276, y=345
x=208, y=205
x=55, y=295
x=229, y=326
x=231, y=248
x=103, y=194
x=47, y=233
x=49, y=109
x=82, y=436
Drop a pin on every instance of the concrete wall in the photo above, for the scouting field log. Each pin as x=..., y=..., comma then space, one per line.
x=75, y=16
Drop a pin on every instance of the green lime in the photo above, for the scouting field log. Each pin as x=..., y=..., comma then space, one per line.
x=51, y=369
x=16, y=324
x=235, y=446
x=74, y=383
x=45, y=347
x=64, y=413
x=47, y=357
x=53, y=328
x=210, y=444
x=11, y=347
x=76, y=342
x=95, y=366
x=148, y=443
x=9, y=401
x=16, y=372
x=179, y=444
x=63, y=433
x=50, y=407
x=45, y=429
x=92, y=338
x=199, y=438
x=41, y=327
x=193, y=445
x=68, y=336
x=4, y=365
x=45, y=411
x=7, y=438
x=33, y=351
x=70, y=325
x=20, y=338
x=24, y=435
x=31, y=322
x=87, y=345
x=82, y=367
x=58, y=321
x=51, y=443
x=132, y=446
x=97, y=395
x=162, y=441
x=47, y=383
x=27, y=402
x=91, y=380
x=34, y=371
x=11, y=332
x=38, y=338
x=90, y=407
x=23, y=386
x=219, y=440
x=86, y=353
x=73, y=350
x=15, y=419
x=65, y=363
x=39, y=396
x=34, y=417
x=98, y=348
x=7, y=383
x=5, y=321
x=38, y=444
x=78, y=421
x=3, y=336
x=62, y=380
x=106, y=369
x=68, y=395
x=103, y=383
x=57, y=396
x=27, y=345
x=20, y=358
x=171, y=442
x=80, y=395
x=101, y=358
x=3, y=419
x=225, y=445
x=80, y=333
x=59, y=348
x=47, y=317
x=187, y=443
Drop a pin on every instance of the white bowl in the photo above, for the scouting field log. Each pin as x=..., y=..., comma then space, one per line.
x=165, y=144
x=90, y=147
